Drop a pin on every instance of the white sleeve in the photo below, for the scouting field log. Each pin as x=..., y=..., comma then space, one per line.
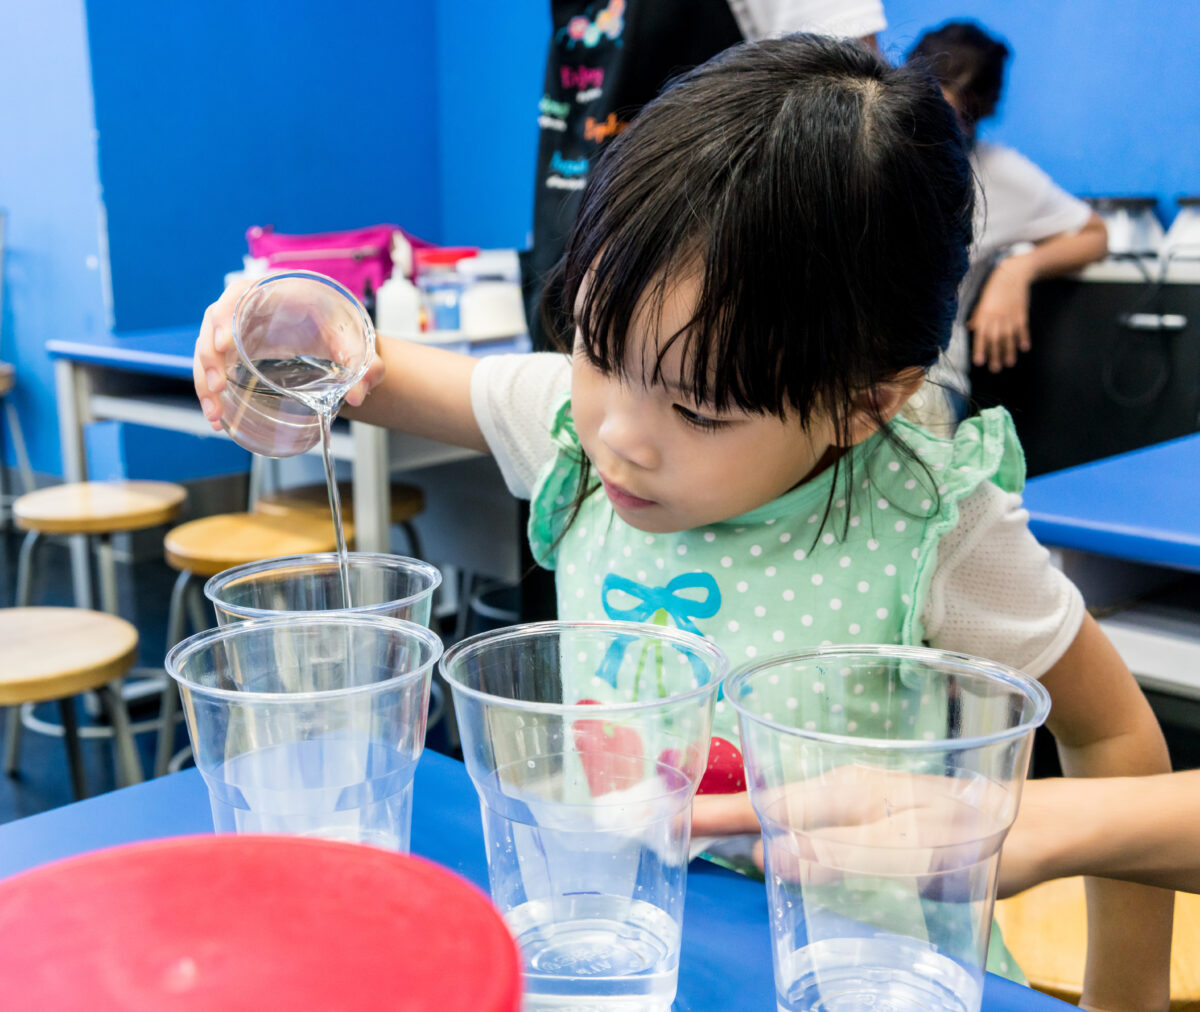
x=854, y=19
x=995, y=593
x=1020, y=202
x=512, y=397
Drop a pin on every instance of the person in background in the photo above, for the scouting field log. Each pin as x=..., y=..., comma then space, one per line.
x=762, y=268
x=608, y=58
x=1027, y=228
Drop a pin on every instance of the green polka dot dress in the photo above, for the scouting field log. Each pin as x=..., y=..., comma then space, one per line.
x=797, y=572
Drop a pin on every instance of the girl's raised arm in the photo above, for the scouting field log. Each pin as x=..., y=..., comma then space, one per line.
x=415, y=388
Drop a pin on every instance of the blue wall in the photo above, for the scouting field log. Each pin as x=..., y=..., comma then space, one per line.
x=1102, y=94
x=214, y=116
x=491, y=59
x=48, y=185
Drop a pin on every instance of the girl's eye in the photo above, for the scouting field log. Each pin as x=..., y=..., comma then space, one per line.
x=699, y=421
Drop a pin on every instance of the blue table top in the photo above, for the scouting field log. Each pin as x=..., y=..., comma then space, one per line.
x=726, y=958
x=1142, y=506
x=157, y=352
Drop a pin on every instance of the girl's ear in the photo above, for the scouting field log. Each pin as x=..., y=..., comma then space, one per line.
x=880, y=404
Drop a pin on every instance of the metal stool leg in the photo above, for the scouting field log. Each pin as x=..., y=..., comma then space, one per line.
x=197, y=605
x=18, y=439
x=13, y=728
x=25, y=569
x=66, y=712
x=176, y=627
x=107, y=565
x=129, y=766
x=414, y=543
x=12, y=740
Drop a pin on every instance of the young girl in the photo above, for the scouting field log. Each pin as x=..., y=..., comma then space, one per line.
x=763, y=267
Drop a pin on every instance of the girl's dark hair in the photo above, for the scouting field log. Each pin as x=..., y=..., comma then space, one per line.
x=823, y=199
x=966, y=61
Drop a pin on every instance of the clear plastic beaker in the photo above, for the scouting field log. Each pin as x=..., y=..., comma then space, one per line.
x=300, y=342
x=885, y=779
x=392, y=586
x=310, y=724
x=586, y=742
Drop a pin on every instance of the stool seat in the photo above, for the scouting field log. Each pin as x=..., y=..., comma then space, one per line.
x=8, y=377
x=211, y=545
x=1045, y=928
x=406, y=501
x=50, y=653
x=99, y=507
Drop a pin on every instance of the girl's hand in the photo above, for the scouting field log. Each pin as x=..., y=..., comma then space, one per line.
x=1000, y=323
x=216, y=337
x=208, y=360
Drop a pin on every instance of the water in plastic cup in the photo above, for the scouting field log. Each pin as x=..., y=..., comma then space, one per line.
x=586, y=742
x=885, y=779
x=391, y=586
x=300, y=341
x=310, y=724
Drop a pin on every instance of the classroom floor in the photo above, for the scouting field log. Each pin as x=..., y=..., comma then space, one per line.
x=145, y=589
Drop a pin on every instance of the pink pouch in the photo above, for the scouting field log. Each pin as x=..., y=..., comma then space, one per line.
x=356, y=258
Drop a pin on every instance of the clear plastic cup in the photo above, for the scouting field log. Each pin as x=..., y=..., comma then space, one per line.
x=309, y=725
x=300, y=341
x=586, y=742
x=391, y=586
x=885, y=779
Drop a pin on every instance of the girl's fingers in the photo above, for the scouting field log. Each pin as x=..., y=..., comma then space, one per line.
x=723, y=815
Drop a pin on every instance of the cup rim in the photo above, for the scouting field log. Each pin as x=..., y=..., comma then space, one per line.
x=324, y=279
x=1030, y=687
x=529, y=630
x=184, y=649
x=389, y=561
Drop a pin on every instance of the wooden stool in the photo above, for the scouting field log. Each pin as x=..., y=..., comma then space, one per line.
x=1045, y=928
x=57, y=653
x=96, y=510
x=208, y=546
x=405, y=503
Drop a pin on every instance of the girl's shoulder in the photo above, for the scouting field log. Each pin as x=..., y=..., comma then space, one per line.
x=985, y=447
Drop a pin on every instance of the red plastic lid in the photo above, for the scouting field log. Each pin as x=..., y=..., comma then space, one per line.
x=441, y=256
x=225, y=923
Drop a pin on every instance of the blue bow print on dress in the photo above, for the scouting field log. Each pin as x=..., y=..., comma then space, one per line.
x=652, y=600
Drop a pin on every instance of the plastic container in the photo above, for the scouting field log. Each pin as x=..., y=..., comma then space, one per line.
x=586, y=743
x=440, y=284
x=309, y=725
x=300, y=340
x=197, y=924
x=885, y=779
x=390, y=586
x=398, y=308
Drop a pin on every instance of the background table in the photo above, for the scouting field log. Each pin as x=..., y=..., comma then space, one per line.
x=726, y=958
x=1125, y=527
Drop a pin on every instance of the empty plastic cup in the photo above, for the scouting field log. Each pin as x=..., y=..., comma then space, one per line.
x=309, y=725
x=300, y=342
x=586, y=742
x=391, y=586
x=885, y=779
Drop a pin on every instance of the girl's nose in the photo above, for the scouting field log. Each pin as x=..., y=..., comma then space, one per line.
x=628, y=432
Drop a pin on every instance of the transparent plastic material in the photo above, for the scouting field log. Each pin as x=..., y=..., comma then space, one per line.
x=391, y=586
x=885, y=779
x=587, y=805
x=300, y=342
x=309, y=725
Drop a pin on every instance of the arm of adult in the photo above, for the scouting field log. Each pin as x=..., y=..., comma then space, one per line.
x=1000, y=321
x=415, y=388
x=1104, y=727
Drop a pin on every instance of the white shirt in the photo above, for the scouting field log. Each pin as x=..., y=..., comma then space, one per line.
x=855, y=19
x=994, y=592
x=1015, y=202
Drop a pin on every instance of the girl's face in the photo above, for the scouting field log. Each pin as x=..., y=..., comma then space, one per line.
x=670, y=464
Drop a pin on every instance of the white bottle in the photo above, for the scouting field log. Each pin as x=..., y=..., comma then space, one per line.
x=398, y=308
